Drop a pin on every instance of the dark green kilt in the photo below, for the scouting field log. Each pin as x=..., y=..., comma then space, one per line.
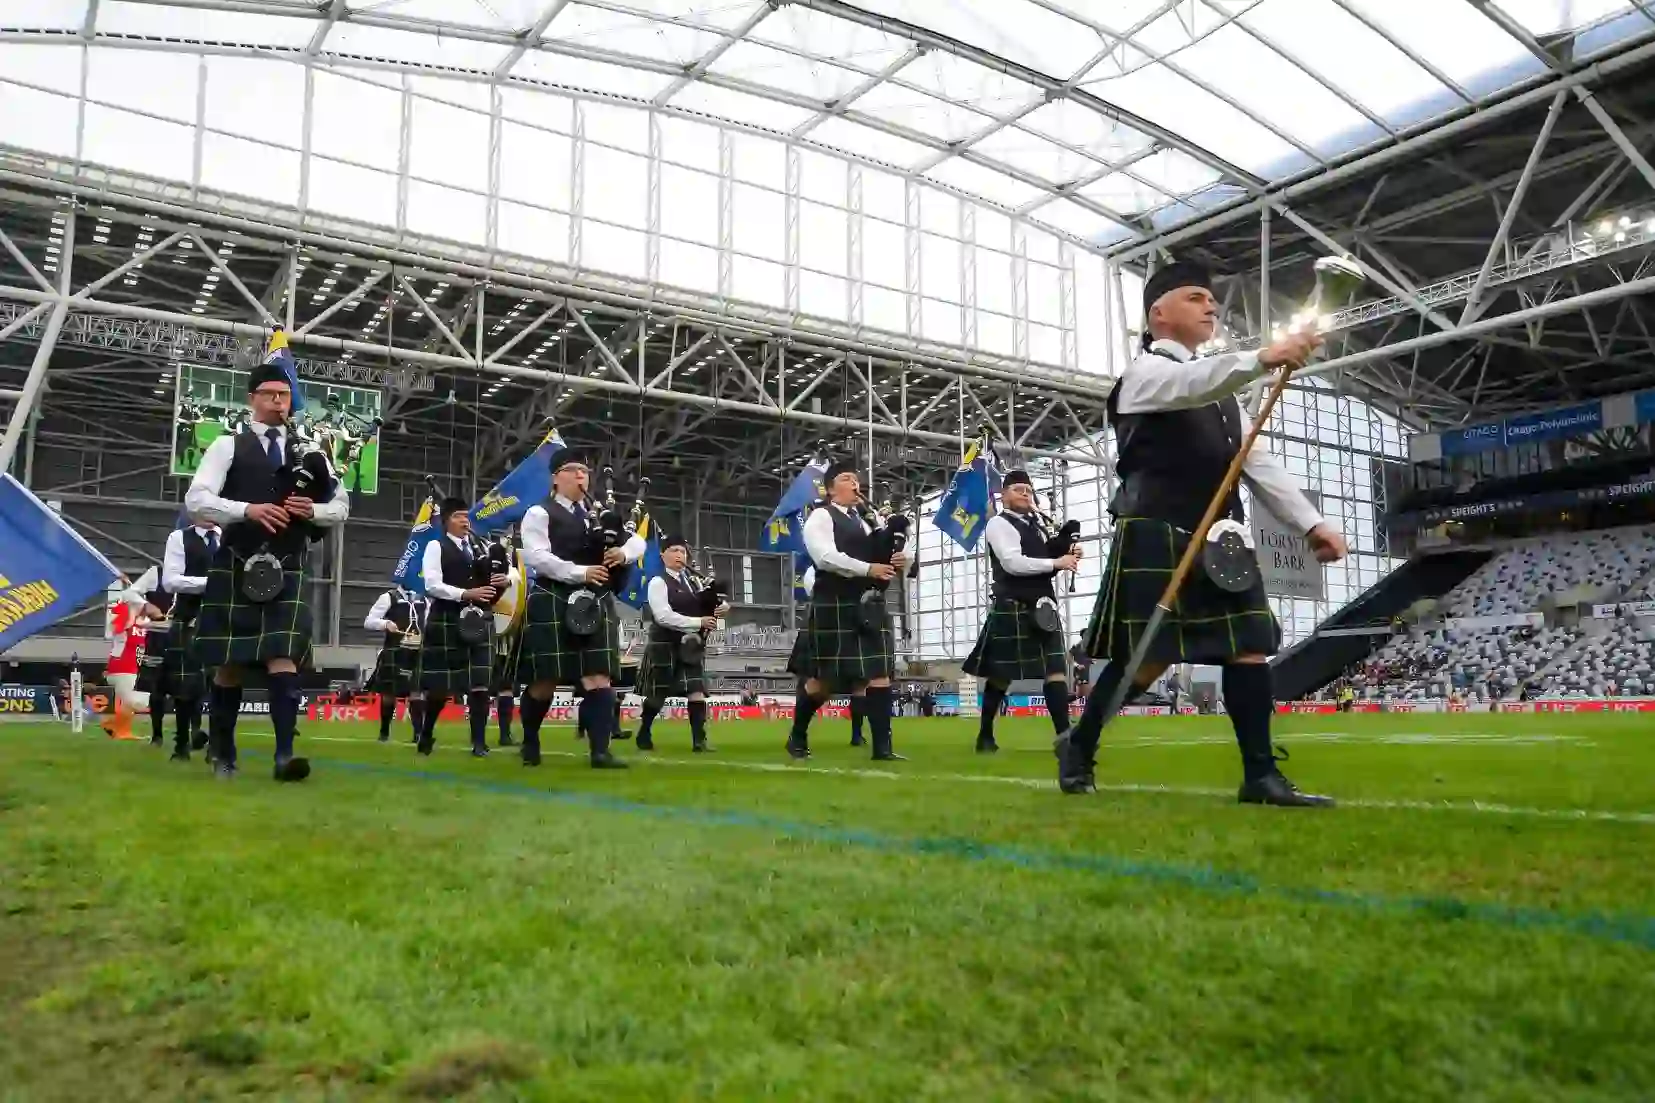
x=800, y=660
x=839, y=653
x=549, y=652
x=1205, y=625
x=394, y=671
x=504, y=678
x=233, y=631
x=661, y=675
x=1011, y=647
x=447, y=664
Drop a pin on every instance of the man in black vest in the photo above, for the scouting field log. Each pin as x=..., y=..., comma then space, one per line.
x=184, y=568
x=675, y=612
x=1178, y=426
x=153, y=676
x=240, y=485
x=1012, y=644
x=400, y=615
x=562, y=547
x=448, y=666
x=841, y=653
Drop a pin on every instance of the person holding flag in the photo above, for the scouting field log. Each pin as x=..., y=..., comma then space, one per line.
x=525, y=486
x=668, y=668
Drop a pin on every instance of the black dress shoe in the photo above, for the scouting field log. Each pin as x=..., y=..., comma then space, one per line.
x=154, y=741
x=198, y=741
x=646, y=744
x=386, y=738
x=479, y=752
x=703, y=747
x=531, y=757
x=292, y=769
x=1274, y=789
x=858, y=741
x=426, y=746
x=507, y=741
x=889, y=756
x=180, y=754
x=607, y=761
x=987, y=746
x=224, y=771
x=798, y=750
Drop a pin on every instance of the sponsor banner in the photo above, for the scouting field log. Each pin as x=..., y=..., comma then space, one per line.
x=16, y=700
x=1437, y=704
x=1502, y=620
x=1554, y=499
x=1624, y=608
x=1285, y=561
x=1568, y=421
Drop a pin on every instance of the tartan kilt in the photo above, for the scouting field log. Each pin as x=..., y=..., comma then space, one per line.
x=1011, y=647
x=1205, y=625
x=801, y=659
x=393, y=671
x=233, y=631
x=446, y=663
x=504, y=678
x=548, y=652
x=661, y=675
x=838, y=653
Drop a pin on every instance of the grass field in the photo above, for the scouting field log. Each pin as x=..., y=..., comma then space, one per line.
x=1477, y=922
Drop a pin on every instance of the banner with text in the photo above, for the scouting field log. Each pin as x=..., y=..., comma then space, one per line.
x=1285, y=561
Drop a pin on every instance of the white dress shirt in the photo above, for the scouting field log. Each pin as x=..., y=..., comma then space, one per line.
x=1153, y=384
x=1007, y=543
x=375, y=620
x=173, y=578
x=824, y=551
x=537, y=547
x=203, y=500
x=807, y=581
x=661, y=608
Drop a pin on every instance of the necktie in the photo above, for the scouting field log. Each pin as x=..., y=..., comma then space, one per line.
x=465, y=549
x=212, y=544
x=273, y=445
x=580, y=513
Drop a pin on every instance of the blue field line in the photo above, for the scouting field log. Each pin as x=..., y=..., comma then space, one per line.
x=1634, y=930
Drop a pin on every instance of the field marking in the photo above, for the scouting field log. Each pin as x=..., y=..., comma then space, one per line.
x=1206, y=793
x=1412, y=739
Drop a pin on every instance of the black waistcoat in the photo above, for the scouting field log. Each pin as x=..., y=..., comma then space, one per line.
x=160, y=599
x=683, y=601
x=196, y=564
x=569, y=536
x=851, y=540
x=457, y=570
x=1022, y=587
x=251, y=479
x=1171, y=462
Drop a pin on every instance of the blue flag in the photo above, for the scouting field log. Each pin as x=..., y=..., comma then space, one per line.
x=636, y=593
x=408, y=569
x=525, y=486
x=47, y=571
x=277, y=353
x=963, y=511
x=785, y=530
x=801, y=563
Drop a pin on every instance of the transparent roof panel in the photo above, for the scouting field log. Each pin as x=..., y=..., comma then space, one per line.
x=1090, y=111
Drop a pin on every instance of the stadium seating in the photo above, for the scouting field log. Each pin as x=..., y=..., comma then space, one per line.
x=1620, y=663
x=1479, y=664
x=1605, y=562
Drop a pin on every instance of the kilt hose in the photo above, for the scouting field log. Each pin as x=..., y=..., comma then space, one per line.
x=1205, y=625
x=1011, y=646
x=840, y=654
x=230, y=630
x=447, y=665
x=661, y=675
x=394, y=671
x=549, y=652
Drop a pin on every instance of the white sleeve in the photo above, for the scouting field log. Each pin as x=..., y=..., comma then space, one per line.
x=820, y=544
x=1153, y=383
x=202, y=499
x=808, y=581
x=431, y=573
x=375, y=620
x=634, y=548
x=1276, y=487
x=173, y=578
x=1008, y=549
x=336, y=509
x=661, y=609
x=537, y=551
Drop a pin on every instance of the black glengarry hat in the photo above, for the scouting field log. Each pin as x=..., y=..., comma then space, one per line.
x=837, y=468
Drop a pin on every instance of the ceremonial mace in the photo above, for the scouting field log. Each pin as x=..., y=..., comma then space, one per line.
x=1337, y=281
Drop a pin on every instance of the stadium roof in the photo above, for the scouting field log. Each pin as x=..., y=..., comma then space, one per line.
x=1102, y=121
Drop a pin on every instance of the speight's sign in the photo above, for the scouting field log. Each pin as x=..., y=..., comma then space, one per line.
x=1555, y=499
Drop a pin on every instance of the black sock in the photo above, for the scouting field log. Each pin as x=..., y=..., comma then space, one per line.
x=504, y=705
x=1250, y=702
x=387, y=713
x=646, y=722
x=617, y=711
x=284, y=711
x=533, y=714
x=1057, y=703
x=186, y=713
x=157, y=717
x=879, y=717
x=698, y=723
x=804, y=707
x=416, y=715
x=476, y=705
x=226, y=704
x=858, y=712
x=599, y=707
x=434, y=704
x=992, y=696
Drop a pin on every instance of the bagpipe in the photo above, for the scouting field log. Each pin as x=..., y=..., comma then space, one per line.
x=488, y=558
x=888, y=528
x=710, y=593
x=305, y=473
x=1061, y=540
x=606, y=530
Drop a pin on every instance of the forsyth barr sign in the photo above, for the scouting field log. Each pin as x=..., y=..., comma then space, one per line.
x=1286, y=563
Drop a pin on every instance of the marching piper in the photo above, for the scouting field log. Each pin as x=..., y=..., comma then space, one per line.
x=1023, y=634
x=455, y=658
x=255, y=616
x=398, y=613
x=849, y=644
x=184, y=568
x=571, y=632
x=1178, y=426
x=669, y=667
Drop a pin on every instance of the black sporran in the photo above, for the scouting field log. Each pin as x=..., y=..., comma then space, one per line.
x=261, y=577
x=692, y=649
x=583, y=613
x=870, y=613
x=476, y=625
x=1227, y=558
x=1046, y=617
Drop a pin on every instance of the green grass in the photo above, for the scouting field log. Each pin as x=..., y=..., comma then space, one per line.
x=949, y=928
